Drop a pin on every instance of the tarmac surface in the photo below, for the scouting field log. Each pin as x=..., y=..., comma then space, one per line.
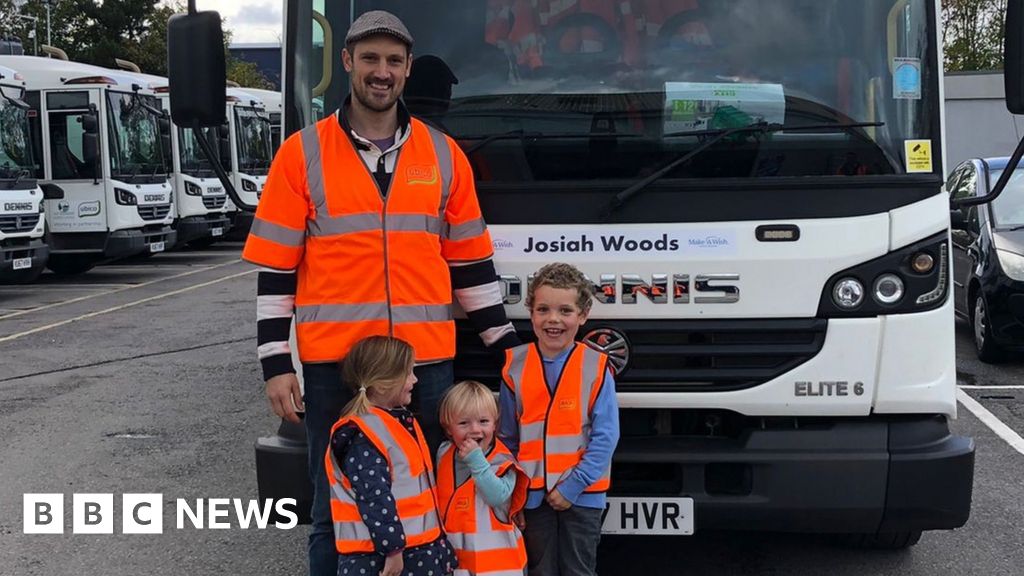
x=140, y=377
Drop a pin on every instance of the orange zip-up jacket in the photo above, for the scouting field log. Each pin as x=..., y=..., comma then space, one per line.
x=485, y=540
x=408, y=460
x=369, y=263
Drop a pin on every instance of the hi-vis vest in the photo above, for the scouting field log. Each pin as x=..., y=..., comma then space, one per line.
x=369, y=263
x=409, y=461
x=554, y=429
x=485, y=542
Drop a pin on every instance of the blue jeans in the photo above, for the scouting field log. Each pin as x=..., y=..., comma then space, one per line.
x=325, y=395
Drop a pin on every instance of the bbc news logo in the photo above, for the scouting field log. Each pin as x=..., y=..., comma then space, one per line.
x=144, y=513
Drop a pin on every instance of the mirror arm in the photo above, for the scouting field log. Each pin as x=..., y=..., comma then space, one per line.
x=221, y=174
x=1004, y=179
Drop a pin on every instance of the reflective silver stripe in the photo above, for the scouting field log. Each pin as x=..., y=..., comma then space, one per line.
x=444, y=163
x=314, y=168
x=325, y=225
x=531, y=431
x=403, y=484
x=485, y=540
x=515, y=372
x=351, y=531
x=415, y=223
x=466, y=230
x=341, y=312
x=421, y=313
x=591, y=361
x=532, y=468
x=419, y=524
x=564, y=444
x=277, y=233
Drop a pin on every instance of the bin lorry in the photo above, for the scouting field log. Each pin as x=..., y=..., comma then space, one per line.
x=23, y=250
x=98, y=135
x=755, y=189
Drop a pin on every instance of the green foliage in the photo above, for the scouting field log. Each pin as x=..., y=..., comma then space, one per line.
x=973, y=34
x=247, y=74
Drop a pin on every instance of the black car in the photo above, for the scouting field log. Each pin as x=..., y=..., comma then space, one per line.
x=988, y=257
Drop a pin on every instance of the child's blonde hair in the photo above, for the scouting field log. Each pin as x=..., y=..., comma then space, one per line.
x=566, y=277
x=464, y=397
x=377, y=365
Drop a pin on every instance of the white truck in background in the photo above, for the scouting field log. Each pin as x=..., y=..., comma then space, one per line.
x=100, y=144
x=23, y=251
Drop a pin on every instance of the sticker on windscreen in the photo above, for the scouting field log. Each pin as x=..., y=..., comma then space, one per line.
x=906, y=78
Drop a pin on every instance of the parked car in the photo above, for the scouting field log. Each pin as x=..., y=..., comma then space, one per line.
x=988, y=257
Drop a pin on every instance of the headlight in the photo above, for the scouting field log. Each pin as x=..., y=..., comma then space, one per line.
x=124, y=197
x=1012, y=264
x=888, y=289
x=848, y=293
x=42, y=206
x=193, y=189
x=248, y=185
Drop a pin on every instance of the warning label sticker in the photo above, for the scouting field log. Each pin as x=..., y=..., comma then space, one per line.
x=918, y=155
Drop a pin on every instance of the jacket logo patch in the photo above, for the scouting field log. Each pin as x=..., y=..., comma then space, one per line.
x=567, y=404
x=421, y=175
x=462, y=504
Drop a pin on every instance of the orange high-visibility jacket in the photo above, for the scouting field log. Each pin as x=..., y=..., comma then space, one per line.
x=369, y=263
x=485, y=540
x=408, y=460
x=553, y=428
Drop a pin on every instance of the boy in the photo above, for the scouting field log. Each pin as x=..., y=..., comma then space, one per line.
x=560, y=417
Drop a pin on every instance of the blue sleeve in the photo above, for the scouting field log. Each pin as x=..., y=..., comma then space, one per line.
x=367, y=470
x=495, y=490
x=604, y=436
x=508, y=420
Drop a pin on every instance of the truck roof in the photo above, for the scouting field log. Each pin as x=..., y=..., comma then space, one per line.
x=43, y=73
x=10, y=77
x=270, y=99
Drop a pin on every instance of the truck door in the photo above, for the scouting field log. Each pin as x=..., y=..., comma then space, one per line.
x=66, y=162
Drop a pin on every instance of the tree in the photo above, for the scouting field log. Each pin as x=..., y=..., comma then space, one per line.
x=972, y=34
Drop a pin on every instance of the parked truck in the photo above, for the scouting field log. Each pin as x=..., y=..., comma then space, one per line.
x=98, y=135
x=755, y=189
x=23, y=251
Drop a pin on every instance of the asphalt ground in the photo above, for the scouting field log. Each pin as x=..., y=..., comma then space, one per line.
x=140, y=377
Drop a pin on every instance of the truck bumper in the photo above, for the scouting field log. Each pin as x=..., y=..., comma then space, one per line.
x=198, y=227
x=847, y=475
x=241, y=222
x=35, y=249
x=124, y=243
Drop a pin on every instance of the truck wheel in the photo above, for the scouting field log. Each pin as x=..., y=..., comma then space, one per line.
x=70, y=264
x=984, y=344
x=882, y=540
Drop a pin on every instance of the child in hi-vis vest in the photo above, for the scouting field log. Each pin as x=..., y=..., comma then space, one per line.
x=479, y=485
x=383, y=501
x=560, y=418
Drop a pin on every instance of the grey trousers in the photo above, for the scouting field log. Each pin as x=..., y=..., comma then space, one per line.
x=562, y=543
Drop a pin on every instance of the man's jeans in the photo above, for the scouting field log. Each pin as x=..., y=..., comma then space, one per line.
x=325, y=396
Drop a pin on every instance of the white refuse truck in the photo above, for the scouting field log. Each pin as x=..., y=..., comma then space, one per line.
x=99, y=142
x=23, y=250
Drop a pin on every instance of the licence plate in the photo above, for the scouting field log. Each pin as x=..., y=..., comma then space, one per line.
x=216, y=232
x=156, y=247
x=649, y=516
x=22, y=263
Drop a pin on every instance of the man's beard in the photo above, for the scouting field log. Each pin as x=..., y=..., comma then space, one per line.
x=367, y=101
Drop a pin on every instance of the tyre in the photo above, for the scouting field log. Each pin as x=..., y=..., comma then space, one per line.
x=882, y=540
x=70, y=264
x=985, y=346
x=200, y=243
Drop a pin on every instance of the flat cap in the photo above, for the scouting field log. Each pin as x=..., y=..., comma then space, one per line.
x=378, y=22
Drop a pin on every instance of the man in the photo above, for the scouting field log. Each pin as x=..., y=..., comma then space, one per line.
x=368, y=221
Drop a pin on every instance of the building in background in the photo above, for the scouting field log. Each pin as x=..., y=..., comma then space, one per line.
x=266, y=56
x=977, y=122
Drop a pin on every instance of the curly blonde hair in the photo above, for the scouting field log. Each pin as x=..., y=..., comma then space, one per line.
x=566, y=277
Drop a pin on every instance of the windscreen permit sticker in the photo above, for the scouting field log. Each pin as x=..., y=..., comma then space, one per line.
x=906, y=78
x=918, y=155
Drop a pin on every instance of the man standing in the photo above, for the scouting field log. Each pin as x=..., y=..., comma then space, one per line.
x=368, y=221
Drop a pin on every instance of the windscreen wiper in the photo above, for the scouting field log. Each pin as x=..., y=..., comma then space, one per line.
x=624, y=196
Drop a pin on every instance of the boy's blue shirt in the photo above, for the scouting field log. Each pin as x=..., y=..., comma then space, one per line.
x=604, y=436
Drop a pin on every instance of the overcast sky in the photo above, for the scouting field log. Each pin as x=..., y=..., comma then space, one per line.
x=248, y=20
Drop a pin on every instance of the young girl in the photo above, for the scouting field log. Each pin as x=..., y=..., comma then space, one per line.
x=383, y=501
x=479, y=485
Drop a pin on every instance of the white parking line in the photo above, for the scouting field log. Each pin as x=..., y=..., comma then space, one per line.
x=990, y=420
x=121, y=307
x=130, y=287
x=996, y=387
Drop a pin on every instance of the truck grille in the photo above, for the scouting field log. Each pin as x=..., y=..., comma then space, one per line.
x=11, y=223
x=214, y=202
x=679, y=355
x=154, y=211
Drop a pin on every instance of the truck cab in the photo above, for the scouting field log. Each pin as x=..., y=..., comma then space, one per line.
x=98, y=134
x=23, y=251
x=246, y=148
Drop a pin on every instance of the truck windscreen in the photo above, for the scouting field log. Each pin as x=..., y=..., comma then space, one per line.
x=15, y=147
x=601, y=90
x=254, y=141
x=136, y=154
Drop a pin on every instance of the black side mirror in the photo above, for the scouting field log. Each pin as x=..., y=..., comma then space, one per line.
x=90, y=148
x=52, y=192
x=196, y=70
x=1013, y=56
x=164, y=126
x=90, y=123
x=957, y=220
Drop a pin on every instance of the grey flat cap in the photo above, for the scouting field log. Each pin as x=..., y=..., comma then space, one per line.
x=378, y=22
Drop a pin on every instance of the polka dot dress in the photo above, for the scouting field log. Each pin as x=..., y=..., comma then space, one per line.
x=368, y=472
